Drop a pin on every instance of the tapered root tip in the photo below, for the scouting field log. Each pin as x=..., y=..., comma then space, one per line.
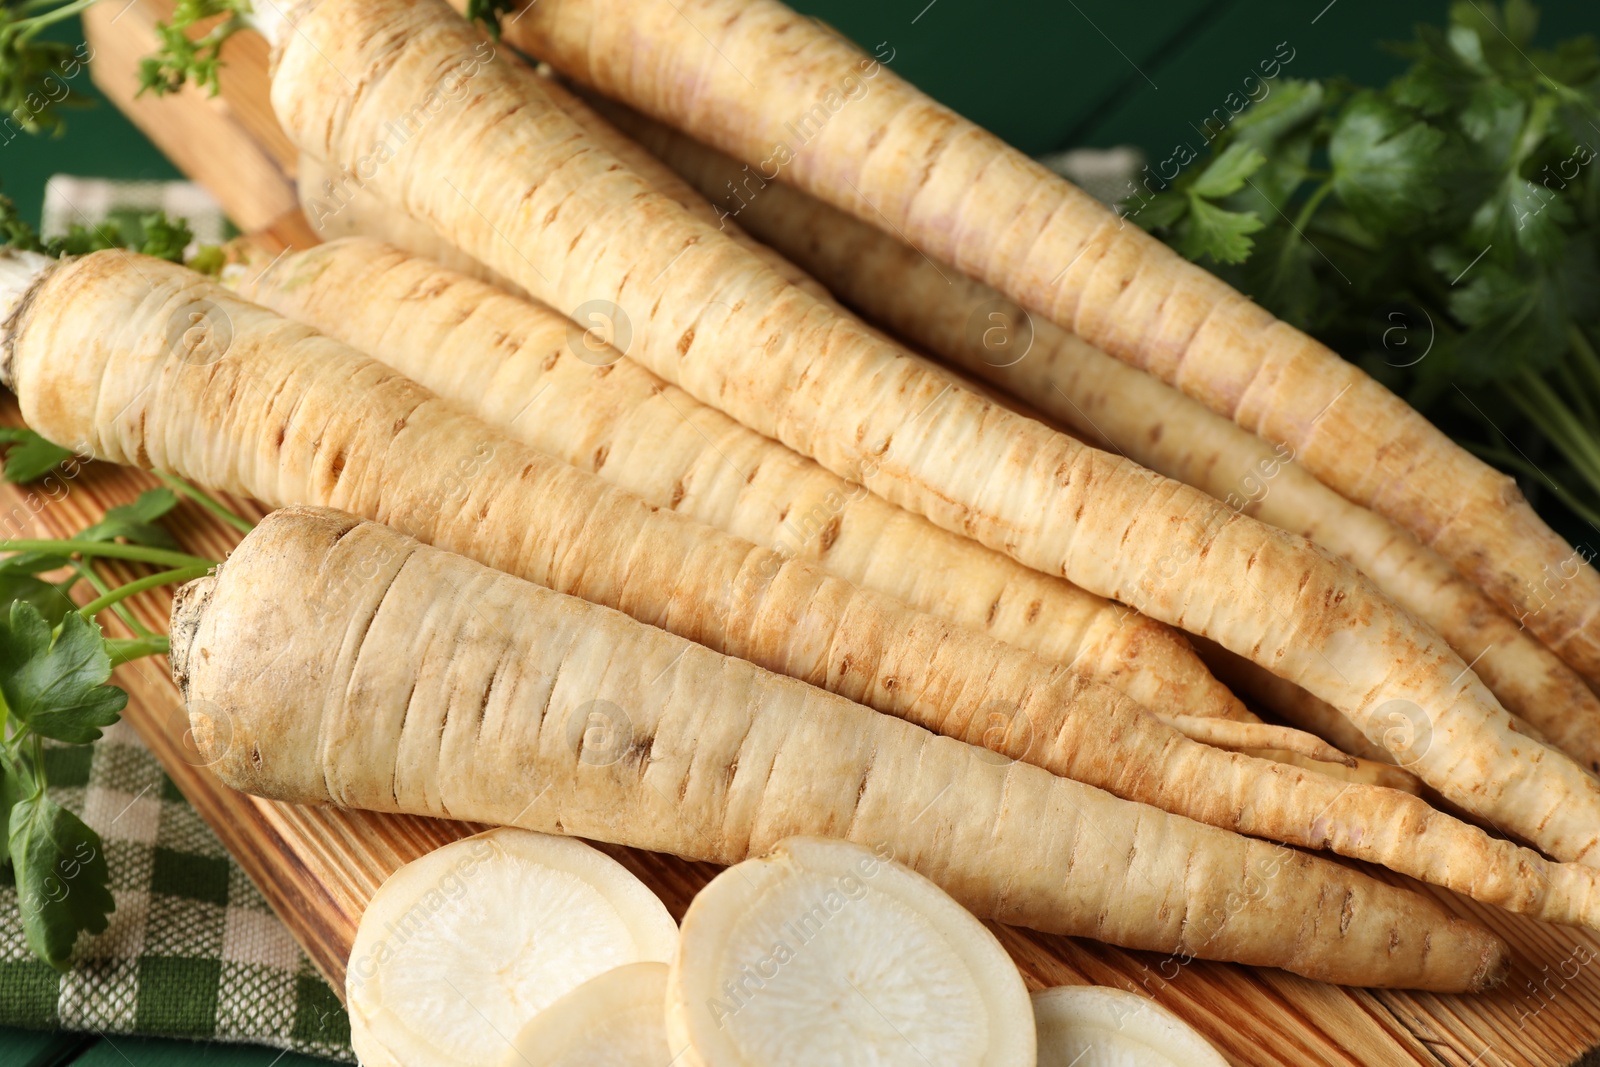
x=1494, y=961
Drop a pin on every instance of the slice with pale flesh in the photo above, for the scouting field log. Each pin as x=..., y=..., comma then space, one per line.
x=1093, y=1026
x=827, y=952
x=459, y=949
x=615, y=1020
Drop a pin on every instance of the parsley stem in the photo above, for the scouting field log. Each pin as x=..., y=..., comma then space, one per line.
x=125, y=650
x=1541, y=406
x=32, y=25
x=1578, y=438
x=1309, y=208
x=207, y=501
x=1587, y=358
x=87, y=572
x=110, y=550
x=153, y=581
x=1576, y=393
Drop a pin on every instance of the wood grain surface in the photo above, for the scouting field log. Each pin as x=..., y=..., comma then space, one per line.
x=318, y=867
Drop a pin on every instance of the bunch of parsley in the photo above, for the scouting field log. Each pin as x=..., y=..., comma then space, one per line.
x=1443, y=232
x=55, y=670
x=152, y=235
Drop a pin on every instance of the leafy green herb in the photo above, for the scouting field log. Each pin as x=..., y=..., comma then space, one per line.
x=136, y=522
x=209, y=260
x=182, y=59
x=1442, y=231
x=61, y=874
x=55, y=670
x=154, y=234
x=1198, y=225
x=29, y=457
x=54, y=685
x=34, y=72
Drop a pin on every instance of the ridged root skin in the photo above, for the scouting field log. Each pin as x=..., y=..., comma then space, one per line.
x=439, y=687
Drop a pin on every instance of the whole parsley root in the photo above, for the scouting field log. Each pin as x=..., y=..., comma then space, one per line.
x=436, y=686
x=514, y=365
x=292, y=416
x=896, y=159
x=1127, y=411
x=570, y=224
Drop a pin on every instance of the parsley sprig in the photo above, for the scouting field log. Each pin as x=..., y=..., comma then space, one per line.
x=153, y=234
x=183, y=59
x=33, y=66
x=55, y=670
x=1442, y=231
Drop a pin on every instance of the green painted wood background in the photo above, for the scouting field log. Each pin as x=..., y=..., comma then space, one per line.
x=1045, y=75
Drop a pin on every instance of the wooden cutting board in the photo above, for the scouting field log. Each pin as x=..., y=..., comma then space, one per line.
x=318, y=867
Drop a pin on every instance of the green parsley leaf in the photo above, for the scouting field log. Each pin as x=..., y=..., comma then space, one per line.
x=1160, y=211
x=61, y=874
x=182, y=59
x=1272, y=187
x=1291, y=105
x=1228, y=172
x=1387, y=163
x=15, y=233
x=30, y=456
x=50, y=600
x=164, y=238
x=36, y=74
x=136, y=522
x=57, y=688
x=1212, y=232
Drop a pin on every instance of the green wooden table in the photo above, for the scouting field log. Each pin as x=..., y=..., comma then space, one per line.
x=1043, y=75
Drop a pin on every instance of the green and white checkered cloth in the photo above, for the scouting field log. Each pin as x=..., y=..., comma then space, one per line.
x=192, y=950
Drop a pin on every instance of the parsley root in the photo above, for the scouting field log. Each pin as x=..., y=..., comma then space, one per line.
x=875, y=146
x=513, y=364
x=434, y=685
x=570, y=224
x=1124, y=410
x=288, y=416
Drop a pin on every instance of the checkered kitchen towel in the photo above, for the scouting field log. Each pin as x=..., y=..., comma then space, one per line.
x=192, y=950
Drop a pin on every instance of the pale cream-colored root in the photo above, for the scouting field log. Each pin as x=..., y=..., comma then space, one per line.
x=1364, y=773
x=437, y=686
x=1247, y=736
x=1119, y=408
x=713, y=319
x=337, y=209
x=517, y=366
x=847, y=129
x=273, y=410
